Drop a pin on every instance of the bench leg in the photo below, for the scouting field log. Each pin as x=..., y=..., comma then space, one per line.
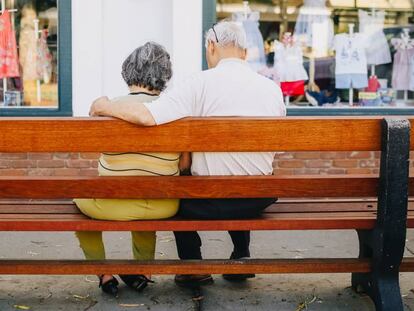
x=382, y=287
x=385, y=244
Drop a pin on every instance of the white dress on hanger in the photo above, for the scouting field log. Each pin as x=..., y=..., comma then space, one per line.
x=289, y=62
x=314, y=18
x=255, y=43
x=371, y=26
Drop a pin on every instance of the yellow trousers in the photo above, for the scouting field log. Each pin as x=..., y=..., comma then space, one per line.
x=143, y=243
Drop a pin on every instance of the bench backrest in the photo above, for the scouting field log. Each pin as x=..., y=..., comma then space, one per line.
x=194, y=134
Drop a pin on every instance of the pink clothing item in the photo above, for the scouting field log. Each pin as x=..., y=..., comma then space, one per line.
x=9, y=63
x=402, y=74
x=44, y=58
x=373, y=84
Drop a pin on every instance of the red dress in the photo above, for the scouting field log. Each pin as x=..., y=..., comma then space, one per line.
x=9, y=62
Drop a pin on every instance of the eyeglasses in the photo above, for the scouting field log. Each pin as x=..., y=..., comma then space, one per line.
x=215, y=34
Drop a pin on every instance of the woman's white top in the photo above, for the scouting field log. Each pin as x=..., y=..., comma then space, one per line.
x=372, y=27
x=289, y=62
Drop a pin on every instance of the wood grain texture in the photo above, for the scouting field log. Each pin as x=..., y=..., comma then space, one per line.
x=258, y=266
x=192, y=134
x=187, y=187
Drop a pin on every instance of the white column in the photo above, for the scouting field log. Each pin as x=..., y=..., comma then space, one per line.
x=87, y=53
x=187, y=37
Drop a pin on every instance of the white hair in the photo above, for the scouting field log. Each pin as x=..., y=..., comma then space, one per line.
x=228, y=34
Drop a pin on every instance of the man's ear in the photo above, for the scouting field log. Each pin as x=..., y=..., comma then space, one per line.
x=244, y=54
x=211, y=48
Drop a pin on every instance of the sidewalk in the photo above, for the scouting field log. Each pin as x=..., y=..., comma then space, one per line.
x=269, y=292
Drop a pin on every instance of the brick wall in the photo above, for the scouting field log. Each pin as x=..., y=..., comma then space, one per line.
x=310, y=163
x=289, y=163
x=48, y=164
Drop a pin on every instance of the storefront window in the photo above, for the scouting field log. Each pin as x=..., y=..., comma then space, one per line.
x=340, y=54
x=29, y=70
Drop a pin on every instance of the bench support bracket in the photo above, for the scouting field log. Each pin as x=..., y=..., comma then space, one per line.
x=385, y=244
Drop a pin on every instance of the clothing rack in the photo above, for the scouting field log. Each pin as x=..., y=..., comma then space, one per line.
x=373, y=13
x=406, y=35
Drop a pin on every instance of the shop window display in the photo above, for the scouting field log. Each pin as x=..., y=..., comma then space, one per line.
x=28, y=48
x=337, y=53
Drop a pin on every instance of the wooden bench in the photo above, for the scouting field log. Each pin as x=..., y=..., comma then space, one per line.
x=42, y=202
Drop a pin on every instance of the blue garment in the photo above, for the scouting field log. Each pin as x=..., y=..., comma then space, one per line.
x=356, y=81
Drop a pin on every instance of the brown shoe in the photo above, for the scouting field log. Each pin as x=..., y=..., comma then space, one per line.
x=193, y=280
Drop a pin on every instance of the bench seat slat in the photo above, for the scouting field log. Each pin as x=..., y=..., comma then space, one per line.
x=259, y=266
x=187, y=187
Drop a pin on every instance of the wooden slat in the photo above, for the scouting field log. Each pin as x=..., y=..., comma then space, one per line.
x=407, y=265
x=258, y=266
x=81, y=223
x=197, y=134
x=187, y=187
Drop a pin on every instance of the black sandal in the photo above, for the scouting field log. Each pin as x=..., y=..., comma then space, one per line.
x=110, y=287
x=137, y=282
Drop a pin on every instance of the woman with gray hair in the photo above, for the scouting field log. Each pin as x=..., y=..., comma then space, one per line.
x=146, y=72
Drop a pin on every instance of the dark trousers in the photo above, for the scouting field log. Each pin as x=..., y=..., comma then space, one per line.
x=189, y=243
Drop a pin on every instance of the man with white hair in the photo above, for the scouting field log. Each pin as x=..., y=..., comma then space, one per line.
x=229, y=88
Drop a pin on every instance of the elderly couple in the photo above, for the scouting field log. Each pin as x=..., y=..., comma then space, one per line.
x=228, y=88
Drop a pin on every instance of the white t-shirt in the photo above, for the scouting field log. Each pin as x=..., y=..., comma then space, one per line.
x=230, y=89
x=350, y=54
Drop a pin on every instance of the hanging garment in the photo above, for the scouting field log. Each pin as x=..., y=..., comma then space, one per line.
x=28, y=44
x=295, y=88
x=289, y=62
x=44, y=58
x=314, y=27
x=373, y=84
x=255, y=46
x=9, y=64
x=403, y=69
x=371, y=26
x=350, y=61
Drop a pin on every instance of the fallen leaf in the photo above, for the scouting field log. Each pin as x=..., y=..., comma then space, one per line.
x=304, y=305
x=80, y=297
x=21, y=307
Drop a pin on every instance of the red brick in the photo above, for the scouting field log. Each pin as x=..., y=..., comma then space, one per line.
x=78, y=164
x=334, y=171
x=318, y=163
x=51, y=164
x=345, y=163
x=66, y=172
x=90, y=172
x=22, y=164
x=13, y=156
x=13, y=172
x=360, y=155
x=5, y=164
x=361, y=171
x=369, y=163
x=90, y=156
x=291, y=164
x=94, y=164
x=377, y=154
x=279, y=172
x=74, y=156
x=284, y=155
x=41, y=172
x=62, y=155
x=40, y=156
x=306, y=171
x=333, y=155
x=307, y=155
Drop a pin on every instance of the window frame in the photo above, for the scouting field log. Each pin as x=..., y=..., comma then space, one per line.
x=64, y=69
x=210, y=17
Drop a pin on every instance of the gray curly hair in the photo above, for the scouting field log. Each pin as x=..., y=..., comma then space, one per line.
x=148, y=66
